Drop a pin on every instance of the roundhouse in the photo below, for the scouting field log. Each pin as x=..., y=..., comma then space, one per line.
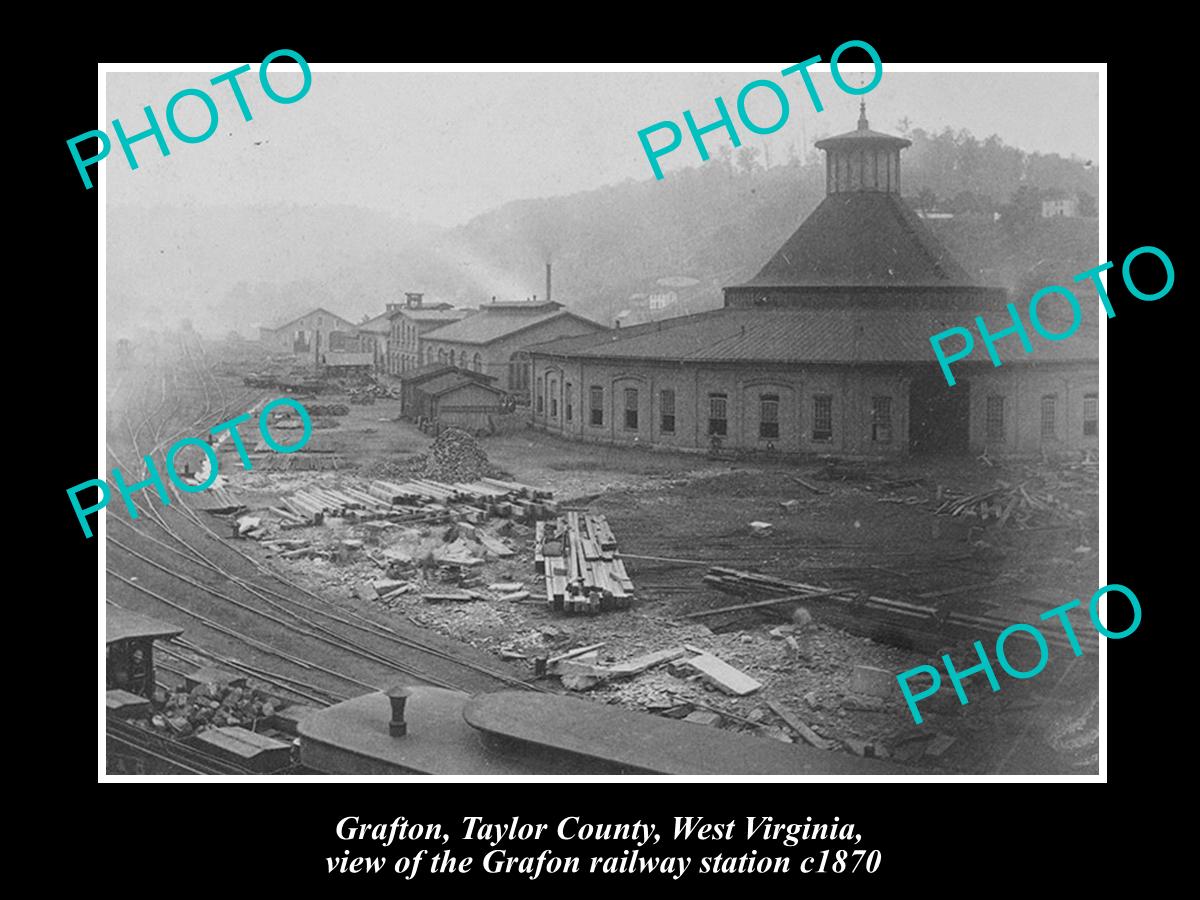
x=827, y=350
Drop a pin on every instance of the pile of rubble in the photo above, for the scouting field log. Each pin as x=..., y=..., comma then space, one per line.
x=367, y=393
x=455, y=456
x=1024, y=505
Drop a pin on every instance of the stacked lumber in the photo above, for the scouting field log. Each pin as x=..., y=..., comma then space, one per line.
x=895, y=621
x=419, y=501
x=487, y=497
x=576, y=554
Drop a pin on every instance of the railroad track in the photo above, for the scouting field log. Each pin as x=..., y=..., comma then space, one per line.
x=136, y=743
x=175, y=564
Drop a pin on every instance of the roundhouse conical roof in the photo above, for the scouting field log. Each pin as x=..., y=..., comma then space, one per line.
x=863, y=239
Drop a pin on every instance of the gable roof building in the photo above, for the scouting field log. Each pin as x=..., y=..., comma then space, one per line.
x=306, y=335
x=493, y=340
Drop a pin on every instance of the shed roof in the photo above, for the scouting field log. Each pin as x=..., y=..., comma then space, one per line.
x=449, y=382
x=434, y=314
x=122, y=624
x=823, y=336
x=432, y=370
x=380, y=324
x=490, y=325
x=294, y=319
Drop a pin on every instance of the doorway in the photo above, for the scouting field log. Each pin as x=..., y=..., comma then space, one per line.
x=939, y=416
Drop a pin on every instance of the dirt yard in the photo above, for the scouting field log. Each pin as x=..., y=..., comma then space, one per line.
x=872, y=527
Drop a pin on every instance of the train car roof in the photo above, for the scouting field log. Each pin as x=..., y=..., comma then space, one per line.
x=352, y=737
x=652, y=744
x=121, y=625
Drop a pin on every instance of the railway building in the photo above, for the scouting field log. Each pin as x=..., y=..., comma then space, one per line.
x=826, y=349
x=394, y=336
x=494, y=339
x=308, y=335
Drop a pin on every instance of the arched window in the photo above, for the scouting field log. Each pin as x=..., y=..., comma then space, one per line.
x=518, y=374
x=441, y=355
x=477, y=363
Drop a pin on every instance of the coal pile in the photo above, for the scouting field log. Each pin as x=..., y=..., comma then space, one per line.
x=213, y=705
x=455, y=456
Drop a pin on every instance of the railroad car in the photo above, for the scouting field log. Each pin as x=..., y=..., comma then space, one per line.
x=425, y=730
x=434, y=731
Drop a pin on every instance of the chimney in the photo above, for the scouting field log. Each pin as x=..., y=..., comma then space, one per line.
x=547, y=282
x=398, y=697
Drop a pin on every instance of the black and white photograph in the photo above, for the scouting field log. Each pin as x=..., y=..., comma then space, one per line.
x=630, y=420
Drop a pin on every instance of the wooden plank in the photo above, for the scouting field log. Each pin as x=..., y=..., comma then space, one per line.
x=492, y=545
x=797, y=725
x=640, y=664
x=578, y=651
x=719, y=673
x=805, y=484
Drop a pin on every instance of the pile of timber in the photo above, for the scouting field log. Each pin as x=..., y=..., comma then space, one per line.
x=577, y=555
x=479, y=500
x=1020, y=506
x=895, y=622
x=419, y=501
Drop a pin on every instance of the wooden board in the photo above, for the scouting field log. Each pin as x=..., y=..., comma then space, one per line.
x=719, y=673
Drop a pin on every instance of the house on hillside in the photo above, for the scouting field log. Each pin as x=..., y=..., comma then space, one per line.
x=307, y=335
x=494, y=339
x=827, y=349
x=1060, y=206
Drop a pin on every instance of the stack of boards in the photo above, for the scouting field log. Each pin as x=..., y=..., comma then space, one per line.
x=576, y=554
x=421, y=501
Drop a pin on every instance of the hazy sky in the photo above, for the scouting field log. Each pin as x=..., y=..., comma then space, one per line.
x=443, y=147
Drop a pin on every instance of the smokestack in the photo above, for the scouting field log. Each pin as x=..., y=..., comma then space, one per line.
x=398, y=697
x=547, y=282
